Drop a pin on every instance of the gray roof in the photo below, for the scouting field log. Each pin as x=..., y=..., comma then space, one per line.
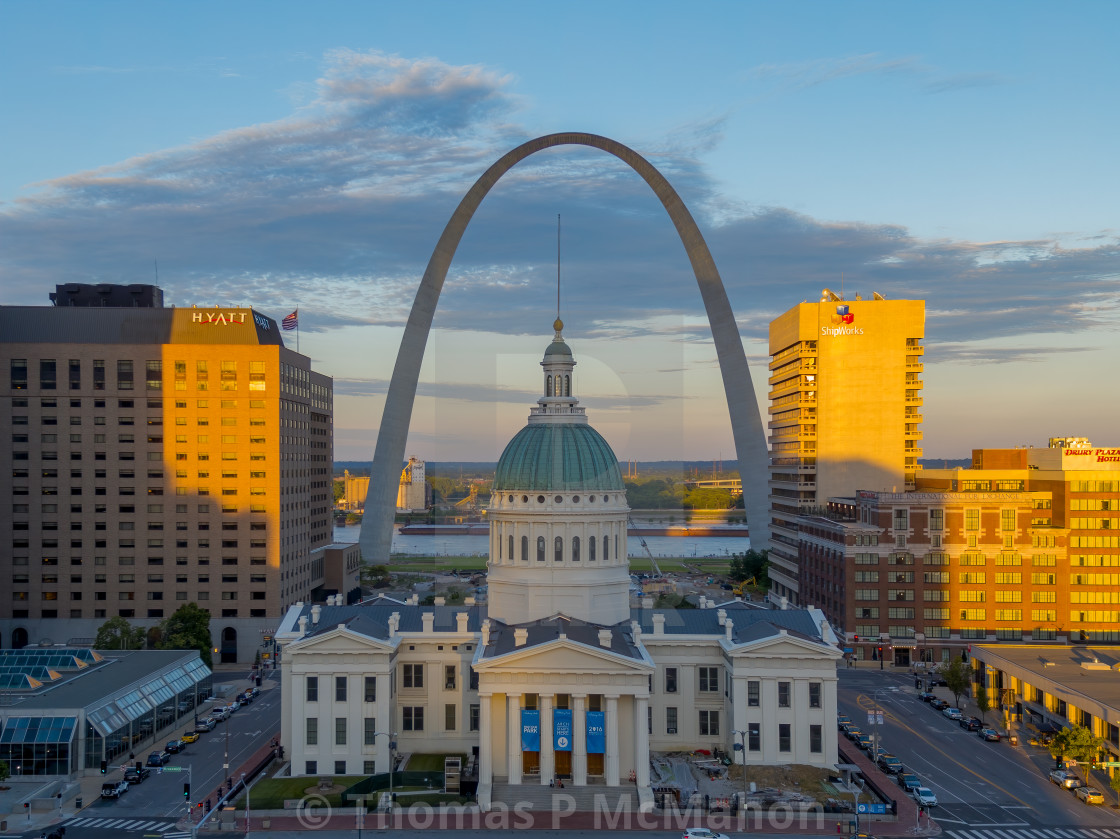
x=750, y=624
x=548, y=630
x=372, y=619
x=1061, y=664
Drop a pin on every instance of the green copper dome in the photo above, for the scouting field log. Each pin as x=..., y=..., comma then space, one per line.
x=558, y=457
x=557, y=348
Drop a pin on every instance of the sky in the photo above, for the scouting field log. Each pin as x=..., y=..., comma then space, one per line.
x=285, y=155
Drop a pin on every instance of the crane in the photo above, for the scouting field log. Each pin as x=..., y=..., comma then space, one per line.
x=652, y=562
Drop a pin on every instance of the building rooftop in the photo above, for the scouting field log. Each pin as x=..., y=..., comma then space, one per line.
x=1090, y=671
x=137, y=325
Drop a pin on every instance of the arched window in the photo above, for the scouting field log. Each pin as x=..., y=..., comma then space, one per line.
x=575, y=549
x=511, y=547
x=524, y=548
x=616, y=546
x=559, y=386
x=591, y=549
x=567, y=386
x=606, y=549
x=548, y=387
x=558, y=549
x=499, y=547
x=540, y=549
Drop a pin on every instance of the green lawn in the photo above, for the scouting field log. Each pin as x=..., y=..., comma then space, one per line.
x=640, y=565
x=270, y=793
x=431, y=763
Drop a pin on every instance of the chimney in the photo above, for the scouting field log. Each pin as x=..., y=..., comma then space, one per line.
x=486, y=632
x=299, y=603
x=302, y=625
x=658, y=624
x=394, y=624
x=824, y=630
x=703, y=604
x=315, y=610
x=636, y=631
x=429, y=620
x=441, y=601
x=520, y=636
x=721, y=616
x=647, y=602
x=461, y=618
x=605, y=637
x=468, y=601
x=729, y=629
x=414, y=600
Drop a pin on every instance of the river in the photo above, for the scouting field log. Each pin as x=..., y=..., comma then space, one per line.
x=660, y=546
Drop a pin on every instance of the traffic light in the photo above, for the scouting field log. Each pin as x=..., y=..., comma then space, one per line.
x=187, y=791
x=880, y=650
x=104, y=766
x=857, y=639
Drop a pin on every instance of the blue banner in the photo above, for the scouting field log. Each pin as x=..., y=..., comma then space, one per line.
x=562, y=728
x=596, y=733
x=530, y=731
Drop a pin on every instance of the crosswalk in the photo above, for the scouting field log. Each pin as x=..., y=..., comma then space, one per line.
x=165, y=827
x=1036, y=833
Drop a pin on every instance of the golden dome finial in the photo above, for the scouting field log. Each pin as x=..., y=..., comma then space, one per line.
x=558, y=325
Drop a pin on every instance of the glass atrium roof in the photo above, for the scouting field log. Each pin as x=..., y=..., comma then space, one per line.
x=38, y=730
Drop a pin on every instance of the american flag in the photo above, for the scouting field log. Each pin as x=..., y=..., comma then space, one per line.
x=291, y=321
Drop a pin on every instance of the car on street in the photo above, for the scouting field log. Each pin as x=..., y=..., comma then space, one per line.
x=702, y=833
x=936, y=680
x=206, y=724
x=926, y=696
x=114, y=789
x=190, y=737
x=908, y=781
x=853, y=732
x=1064, y=779
x=174, y=746
x=136, y=775
x=989, y=734
x=925, y=797
x=952, y=713
x=220, y=714
x=890, y=763
x=841, y=719
x=866, y=742
x=970, y=723
x=1090, y=795
x=158, y=758
x=938, y=704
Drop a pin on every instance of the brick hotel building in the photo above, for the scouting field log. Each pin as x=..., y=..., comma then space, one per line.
x=1022, y=546
x=157, y=456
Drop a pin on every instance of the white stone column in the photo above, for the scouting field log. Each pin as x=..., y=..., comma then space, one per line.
x=485, y=741
x=610, y=759
x=513, y=741
x=739, y=717
x=641, y=740
x=579, y=740
x=548, y=759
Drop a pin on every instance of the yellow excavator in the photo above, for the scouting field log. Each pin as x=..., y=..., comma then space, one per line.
x=742, y=587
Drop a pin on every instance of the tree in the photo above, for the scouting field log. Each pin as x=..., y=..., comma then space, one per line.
x=1114, y=782
x=750, y=564
x=956, y=674
x=983, y=703
x=1077, y=743
x=5, y=771
x=118, y=634
x=188, y=629
x=374, y=575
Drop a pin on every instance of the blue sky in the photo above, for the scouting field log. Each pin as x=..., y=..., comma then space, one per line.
x=282, y=154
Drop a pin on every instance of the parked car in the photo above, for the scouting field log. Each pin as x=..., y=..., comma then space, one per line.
x=936, y=680
x=158, y=758
x=866, y=742
x=174, y=746
x=926, y=696
x=206, y=724
x=952, y=713
x=254, y=692
x=1064, y=779
x=136, y=775
x=908, y=781
x=890, y=763
x=990, y=734
x=938, y=704
x=220, y=713
x=853, y=732
x=925, y=797
x=970, y=723
x=702, y=833
x=114, y=789
x=1090, y=795
x=233, y=706
x=842, y=720
x=190, y=737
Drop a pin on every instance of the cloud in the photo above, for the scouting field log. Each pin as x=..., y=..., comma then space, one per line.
x=336, y=209
x=803, y=74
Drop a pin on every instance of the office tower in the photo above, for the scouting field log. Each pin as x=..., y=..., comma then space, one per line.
x=845, y=411
x=158, y=456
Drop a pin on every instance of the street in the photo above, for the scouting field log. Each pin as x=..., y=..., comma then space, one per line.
x=983, y=789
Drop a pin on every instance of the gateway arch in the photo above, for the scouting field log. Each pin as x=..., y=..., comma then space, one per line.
x=746, y=425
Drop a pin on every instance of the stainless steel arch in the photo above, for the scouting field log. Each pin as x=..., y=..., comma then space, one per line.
x=746, y=424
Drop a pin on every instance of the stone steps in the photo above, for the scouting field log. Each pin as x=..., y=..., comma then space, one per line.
x=568, y=799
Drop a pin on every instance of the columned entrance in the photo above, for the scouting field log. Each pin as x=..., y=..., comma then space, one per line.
x=564, y=765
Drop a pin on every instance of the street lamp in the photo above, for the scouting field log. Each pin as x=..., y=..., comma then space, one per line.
x=742, y=747
x=392, y=747
x=857, y=790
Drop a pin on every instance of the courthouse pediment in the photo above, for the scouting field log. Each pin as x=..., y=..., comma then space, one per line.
x=562, y=656
x=341, y=641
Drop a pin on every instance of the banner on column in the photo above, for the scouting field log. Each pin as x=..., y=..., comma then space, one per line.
x=596, y=733
x=562, y=726
x=530, y=731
